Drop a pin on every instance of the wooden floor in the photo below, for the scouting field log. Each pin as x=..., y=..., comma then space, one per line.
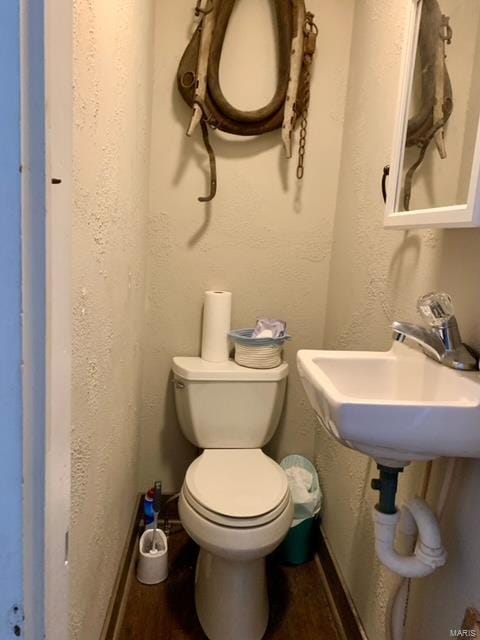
x=298, y=603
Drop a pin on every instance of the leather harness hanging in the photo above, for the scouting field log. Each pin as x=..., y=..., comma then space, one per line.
x=199, y=84
x=436, y=90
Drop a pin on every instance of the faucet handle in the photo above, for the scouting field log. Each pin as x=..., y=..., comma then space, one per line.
x=436, y=308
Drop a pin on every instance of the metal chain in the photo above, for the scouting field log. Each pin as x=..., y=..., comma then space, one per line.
x=303, y=127
x=310, y=31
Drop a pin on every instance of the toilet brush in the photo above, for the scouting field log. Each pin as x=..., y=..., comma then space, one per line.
x=157, y=498
x=152, y=566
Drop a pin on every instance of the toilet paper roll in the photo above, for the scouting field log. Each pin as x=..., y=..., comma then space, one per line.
x=217, y=312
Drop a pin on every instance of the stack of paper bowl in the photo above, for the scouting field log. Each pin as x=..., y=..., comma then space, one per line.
x=257, y=353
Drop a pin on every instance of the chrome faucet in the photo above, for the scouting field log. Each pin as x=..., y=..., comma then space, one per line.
x=441, y=340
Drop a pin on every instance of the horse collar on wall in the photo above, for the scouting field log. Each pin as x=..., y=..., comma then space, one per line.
x=199, y=85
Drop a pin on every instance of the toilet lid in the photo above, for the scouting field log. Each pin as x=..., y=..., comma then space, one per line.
x=237, y=483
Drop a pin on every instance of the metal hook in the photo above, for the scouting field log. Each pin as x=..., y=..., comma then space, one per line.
x=386, y=172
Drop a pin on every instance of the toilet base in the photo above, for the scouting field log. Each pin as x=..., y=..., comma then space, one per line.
x=231, y=597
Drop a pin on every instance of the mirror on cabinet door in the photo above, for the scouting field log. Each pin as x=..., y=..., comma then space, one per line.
x=435, y=164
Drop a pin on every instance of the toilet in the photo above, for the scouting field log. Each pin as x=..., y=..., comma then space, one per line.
x=235, y=501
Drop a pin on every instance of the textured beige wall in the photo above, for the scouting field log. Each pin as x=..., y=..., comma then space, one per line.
x=264, y=238
x=376, y=277
x=267, y=241
x=112, y=76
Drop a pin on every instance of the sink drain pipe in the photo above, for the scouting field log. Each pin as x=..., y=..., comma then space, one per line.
x=415, y=518
x=429, y=554
x=416, y=522
x=386, y=485
x=398, y=604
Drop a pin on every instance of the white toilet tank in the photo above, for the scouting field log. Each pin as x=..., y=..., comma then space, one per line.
x=221, y=405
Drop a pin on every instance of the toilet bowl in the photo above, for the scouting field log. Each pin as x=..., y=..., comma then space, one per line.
x=235, y=502
x=236, y=505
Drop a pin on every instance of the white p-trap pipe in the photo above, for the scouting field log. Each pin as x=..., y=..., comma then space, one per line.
x=429, y=553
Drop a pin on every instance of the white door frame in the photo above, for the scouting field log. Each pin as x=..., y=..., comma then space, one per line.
x=59, y=129
x=47, y=120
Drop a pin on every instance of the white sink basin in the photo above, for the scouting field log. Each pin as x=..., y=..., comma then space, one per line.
x=395, y=406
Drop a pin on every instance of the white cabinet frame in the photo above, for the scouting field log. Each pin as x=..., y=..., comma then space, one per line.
x=457, y=216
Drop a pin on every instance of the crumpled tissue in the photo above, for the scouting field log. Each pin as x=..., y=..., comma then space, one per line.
x=306, y=494
x=269, y=328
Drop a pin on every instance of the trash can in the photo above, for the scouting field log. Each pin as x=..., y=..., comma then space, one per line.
x=298, y=545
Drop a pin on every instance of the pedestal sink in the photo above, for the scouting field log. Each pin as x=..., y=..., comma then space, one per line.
x=395, y=406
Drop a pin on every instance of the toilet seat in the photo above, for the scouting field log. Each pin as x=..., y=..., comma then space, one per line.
x=233, y=522
x=236, y=487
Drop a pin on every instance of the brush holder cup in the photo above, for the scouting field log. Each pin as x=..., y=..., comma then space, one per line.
x=152, y=566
